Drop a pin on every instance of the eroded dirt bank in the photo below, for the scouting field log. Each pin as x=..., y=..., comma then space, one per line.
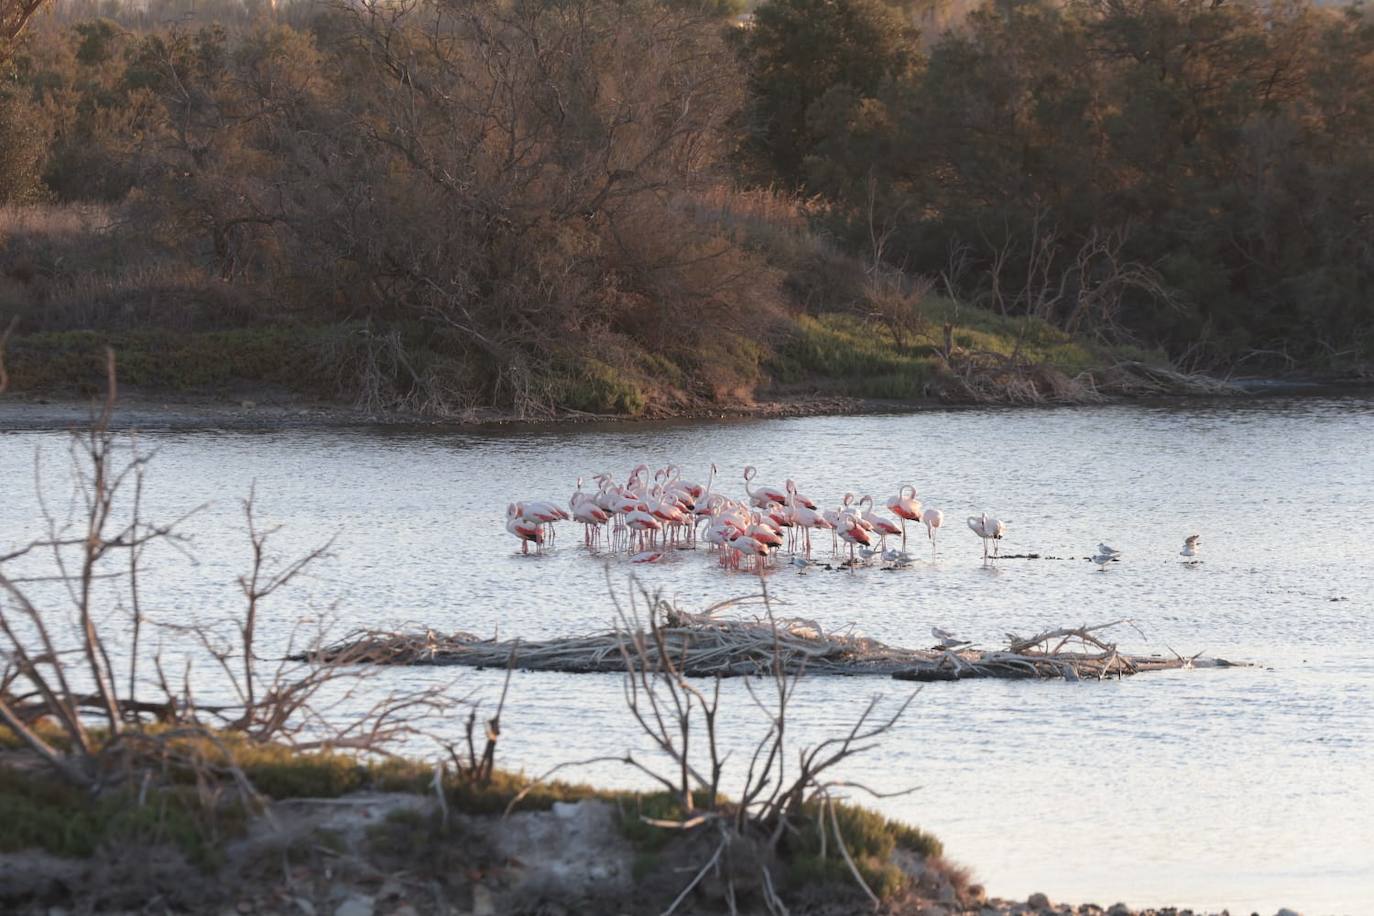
x=400, y=854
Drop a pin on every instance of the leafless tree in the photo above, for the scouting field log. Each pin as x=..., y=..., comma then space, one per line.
x=773, y=802
x=14, y=16
x=57, y=667
x=1078, y=285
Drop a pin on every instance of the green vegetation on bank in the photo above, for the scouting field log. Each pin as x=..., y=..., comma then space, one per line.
x=327, y=200
x=39, y=811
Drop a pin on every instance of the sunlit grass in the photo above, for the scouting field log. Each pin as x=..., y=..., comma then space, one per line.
x=850, y=354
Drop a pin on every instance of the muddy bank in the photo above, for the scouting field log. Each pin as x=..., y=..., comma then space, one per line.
x=275, y=410
x=257, y=407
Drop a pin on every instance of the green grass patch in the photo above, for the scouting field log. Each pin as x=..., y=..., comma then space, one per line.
x=39, y=811
x=871, y=840
x=846, y=353
x=592, y=386
x=853, y=357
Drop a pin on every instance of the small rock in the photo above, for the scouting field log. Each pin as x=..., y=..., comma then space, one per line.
x=976, y=893
x=947, y=894
x=248, y=405
x=1285, y=911
x=482, y=904
x=405, y=909
x=933, y=909
x=1120, y=909
x=305, y=906
x=245, y=906
x=357, y=905
x=1038, y=901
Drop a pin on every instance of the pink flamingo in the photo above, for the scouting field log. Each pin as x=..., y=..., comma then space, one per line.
x=853, y=533
x=762, y=495
x=586, y=510
x=527, y=531
x=933, y=519
x=884, y=527
x=907, y=508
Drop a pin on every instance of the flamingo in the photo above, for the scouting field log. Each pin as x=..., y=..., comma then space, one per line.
x=752, y=547
x=586, y=510
x=907, y=508
x=853, y=533
x=762, y=495
x=640, y=521
x=763, y=532
x=839, y=519
x=791, y=488
x=933, y=519
x=884, y=527
x=804, y=518
x=542, y=512
x=527, y=531
x=989, y=529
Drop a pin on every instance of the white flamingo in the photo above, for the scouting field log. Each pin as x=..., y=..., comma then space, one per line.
x=989, y=529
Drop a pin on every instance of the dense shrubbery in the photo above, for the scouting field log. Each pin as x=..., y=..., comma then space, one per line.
x=458, y=203
x=1195, y=174
x=489, y=203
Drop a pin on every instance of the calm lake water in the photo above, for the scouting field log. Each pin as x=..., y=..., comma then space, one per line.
x=1248, y=788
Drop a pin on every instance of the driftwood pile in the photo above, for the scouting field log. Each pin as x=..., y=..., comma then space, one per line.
x=701, y=645
x=1135, y=379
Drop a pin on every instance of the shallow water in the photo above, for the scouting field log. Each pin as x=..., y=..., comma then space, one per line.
x=1245, y=788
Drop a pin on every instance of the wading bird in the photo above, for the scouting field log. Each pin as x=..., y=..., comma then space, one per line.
x=933, y=519
x=527, y=531
x=905, y=507
x=989, y=529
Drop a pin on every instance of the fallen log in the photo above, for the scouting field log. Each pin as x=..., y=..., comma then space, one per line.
x=701, y=645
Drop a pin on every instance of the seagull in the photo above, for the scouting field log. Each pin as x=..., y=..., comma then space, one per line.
x=948, y=640
x=803, y=564
x=1192, y=546
x=1104, y=556
x=898, y=557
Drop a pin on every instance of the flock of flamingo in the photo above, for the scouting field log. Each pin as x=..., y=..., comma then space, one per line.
x=647, y=518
